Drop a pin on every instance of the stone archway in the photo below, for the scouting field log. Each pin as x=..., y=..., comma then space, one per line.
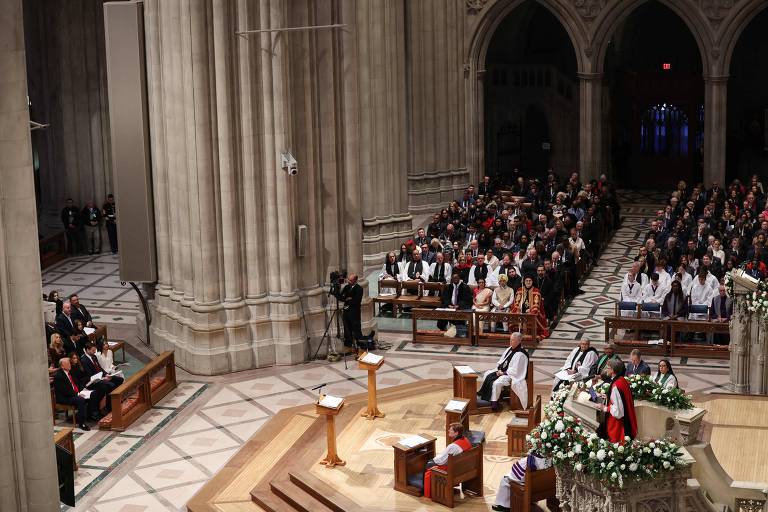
x=475, y=73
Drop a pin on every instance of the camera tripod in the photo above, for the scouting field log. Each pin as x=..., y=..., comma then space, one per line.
x=335, y=317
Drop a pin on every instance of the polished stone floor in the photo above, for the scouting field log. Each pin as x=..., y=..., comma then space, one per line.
x=165, y=457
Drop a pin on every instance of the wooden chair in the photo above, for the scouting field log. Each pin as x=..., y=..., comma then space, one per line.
x=62, y=407
x=521, y=425
x=539, y=485
x=465, y=469
x=514, y=402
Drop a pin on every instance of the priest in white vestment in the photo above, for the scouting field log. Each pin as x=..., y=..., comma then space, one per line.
x=577, y=365
x=701, y=293
x=511, y=370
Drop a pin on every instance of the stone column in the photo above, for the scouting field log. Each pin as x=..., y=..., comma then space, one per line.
x=715, y=103
x=590, y=125
x=28, y=478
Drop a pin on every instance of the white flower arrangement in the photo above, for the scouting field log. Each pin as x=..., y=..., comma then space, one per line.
x=563, y=439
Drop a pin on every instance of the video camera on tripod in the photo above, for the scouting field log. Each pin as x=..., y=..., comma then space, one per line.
x=337, y=279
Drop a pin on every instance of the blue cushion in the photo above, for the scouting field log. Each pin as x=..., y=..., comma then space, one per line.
x=627, y=306
x=651, y=307
x=698, y=308
x=416, y=480
x=476, y=437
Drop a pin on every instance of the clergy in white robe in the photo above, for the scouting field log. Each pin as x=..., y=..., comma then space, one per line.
x=483, y=270
x=640, y=277
x=701, y=293
x=439, y=271
x=415, y=270
x=517, y=475
x=631, y=291
x=653, y=292
x=511, y=370
x=577, y=365
x=665, y=279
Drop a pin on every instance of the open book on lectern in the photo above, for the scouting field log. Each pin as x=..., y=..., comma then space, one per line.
x=330, y=401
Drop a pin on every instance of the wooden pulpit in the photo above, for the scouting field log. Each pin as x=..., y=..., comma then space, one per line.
x=411, y=457
x=465, y=386
x=330, y=406
x=371, y=362
x=456, y=411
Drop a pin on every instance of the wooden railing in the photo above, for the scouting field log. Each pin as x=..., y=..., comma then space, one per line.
x=140, y=392
x=522, y=322
x=669, y=331
x=435, y=335
x=64, y=439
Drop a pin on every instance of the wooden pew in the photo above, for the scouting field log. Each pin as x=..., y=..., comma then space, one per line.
x=680, y=348
x=140, y=392
x=410, y=463
x=539, y=485
x=436, y=335
x=521, y=425
x=523, y=322
x=466, y=469
x=62, y=407
x=64, y=439
x=623, y=345
x=388, y=299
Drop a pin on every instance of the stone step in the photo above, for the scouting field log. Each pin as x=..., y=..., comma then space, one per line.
x=297, y=497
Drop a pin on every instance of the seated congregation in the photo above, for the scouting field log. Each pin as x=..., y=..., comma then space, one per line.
x=519, y=248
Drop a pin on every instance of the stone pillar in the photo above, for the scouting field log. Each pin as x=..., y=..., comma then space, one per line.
x=437, y=159
x=590, y=125
x=740, y=329
x=382, y=143
x=715, y=103
x=28, y=478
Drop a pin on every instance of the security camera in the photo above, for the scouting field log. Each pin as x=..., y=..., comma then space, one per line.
x=289, y=164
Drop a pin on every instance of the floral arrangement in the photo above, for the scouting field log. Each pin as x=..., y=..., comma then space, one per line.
x=645, y=388
x=562, y=438
x=754, y=302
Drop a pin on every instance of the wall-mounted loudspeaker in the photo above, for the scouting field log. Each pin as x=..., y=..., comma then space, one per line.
x=302, y=237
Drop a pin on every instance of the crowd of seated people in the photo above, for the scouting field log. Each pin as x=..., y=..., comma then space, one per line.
x=520, y=235
x=697, y=237
x=73, y=360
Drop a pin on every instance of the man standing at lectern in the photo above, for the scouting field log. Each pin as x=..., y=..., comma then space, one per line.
x=511, y=370
x=620, y=420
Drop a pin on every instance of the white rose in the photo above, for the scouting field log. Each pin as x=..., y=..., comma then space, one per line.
x=592, y=455
x=614, y=475
x=577, y=448
x=559, y=426
x=652, y=445
x=657, y=452
x=578, y=466
x=622, y=467
x=633, y=467
x=544, y=434
x=667, y=464
x=620, y=449
x=601, y=454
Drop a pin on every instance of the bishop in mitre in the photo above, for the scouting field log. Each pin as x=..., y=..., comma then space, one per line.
x=577, y=365
x=511, y=370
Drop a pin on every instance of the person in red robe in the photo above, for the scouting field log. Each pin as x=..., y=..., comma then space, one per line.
x=620, y=421
x=528, y=300
x=460, y=444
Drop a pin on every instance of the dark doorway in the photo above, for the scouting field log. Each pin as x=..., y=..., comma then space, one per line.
x=747, y=110
x=531, y=96
x=654, y=75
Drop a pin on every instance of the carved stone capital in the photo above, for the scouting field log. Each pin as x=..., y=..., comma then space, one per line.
x=588, y=9
x=475, y=6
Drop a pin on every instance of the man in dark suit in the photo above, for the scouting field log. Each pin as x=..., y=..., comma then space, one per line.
x=66, y=390
x=79, y=311
x=547, y=291
x=352, y=296
x=457, y=295
x=65, y=325
x=92, y=367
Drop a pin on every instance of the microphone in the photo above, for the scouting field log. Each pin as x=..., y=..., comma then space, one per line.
x=318, y=387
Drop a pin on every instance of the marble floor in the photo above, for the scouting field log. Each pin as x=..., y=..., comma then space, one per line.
x=166, y=456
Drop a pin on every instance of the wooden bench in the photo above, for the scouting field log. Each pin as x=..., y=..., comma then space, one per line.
x=436, y=335
x=64, y=439
x=140, y=392
x=538, y=485
x=465, y=468
x=401, y=300
x=52, y=250
x=636, y=325
x=704, y=349
x=55, y=408
x=520, y=426
x=523, y=322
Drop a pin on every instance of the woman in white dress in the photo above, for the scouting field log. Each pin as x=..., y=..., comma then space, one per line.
x=665, y=377
x=104, y=355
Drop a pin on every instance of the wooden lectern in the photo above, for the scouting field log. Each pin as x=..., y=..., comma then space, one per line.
x=465, y=386
x=371, y=362
x=456, y=411
x=330, y=406
x=410, y=460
